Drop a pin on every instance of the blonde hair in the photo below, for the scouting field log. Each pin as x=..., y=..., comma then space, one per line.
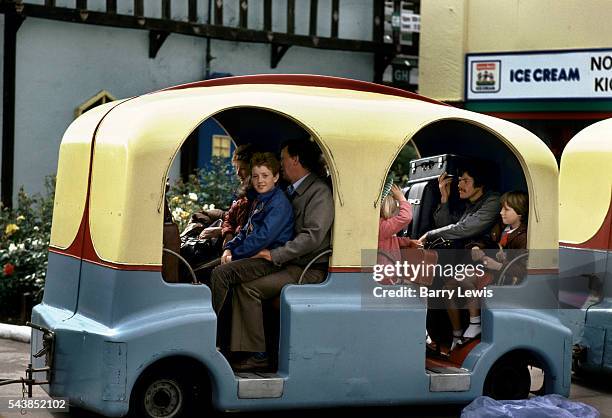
x=388, y=207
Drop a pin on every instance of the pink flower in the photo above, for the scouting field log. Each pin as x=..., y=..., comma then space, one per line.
x=8, y=269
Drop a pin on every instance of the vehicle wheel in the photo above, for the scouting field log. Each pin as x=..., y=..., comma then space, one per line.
x=163, y=395
x=508, y=379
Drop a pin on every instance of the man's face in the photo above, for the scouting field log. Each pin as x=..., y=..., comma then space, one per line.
x=288, y=165
x=466, y=187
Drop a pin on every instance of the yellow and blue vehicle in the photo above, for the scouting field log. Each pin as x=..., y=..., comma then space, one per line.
x=585, y=234
x=119, y=338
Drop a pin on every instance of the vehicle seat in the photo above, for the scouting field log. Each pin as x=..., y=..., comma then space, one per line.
x=271, y=311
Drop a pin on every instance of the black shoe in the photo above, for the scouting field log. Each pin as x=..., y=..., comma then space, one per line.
x=252, y=364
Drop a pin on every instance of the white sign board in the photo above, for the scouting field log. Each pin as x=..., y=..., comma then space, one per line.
x=540, y=75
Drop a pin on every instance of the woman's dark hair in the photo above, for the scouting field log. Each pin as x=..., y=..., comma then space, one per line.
x=308, y=153
x=243, y=152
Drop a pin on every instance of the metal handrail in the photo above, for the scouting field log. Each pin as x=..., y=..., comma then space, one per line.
x=311, y=263
x=180, y=257
x=500, y=281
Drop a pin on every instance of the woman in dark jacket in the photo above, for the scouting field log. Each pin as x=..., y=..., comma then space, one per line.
x=270, y=221
x=238, y=212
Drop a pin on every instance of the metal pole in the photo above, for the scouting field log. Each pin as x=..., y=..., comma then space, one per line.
x=12, y=22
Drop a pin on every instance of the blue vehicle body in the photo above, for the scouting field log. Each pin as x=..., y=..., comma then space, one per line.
x=586, y=299
x=332, y=352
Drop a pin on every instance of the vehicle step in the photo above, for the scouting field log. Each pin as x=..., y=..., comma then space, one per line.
x=259, y=385
x=448, y=379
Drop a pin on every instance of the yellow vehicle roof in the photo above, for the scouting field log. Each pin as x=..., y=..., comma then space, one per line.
x=585, y=186
x=360, y=133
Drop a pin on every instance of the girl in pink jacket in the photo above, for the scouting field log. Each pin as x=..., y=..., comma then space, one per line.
x=395, y=215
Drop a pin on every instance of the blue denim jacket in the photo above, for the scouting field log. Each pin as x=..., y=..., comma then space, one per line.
x=270, y=225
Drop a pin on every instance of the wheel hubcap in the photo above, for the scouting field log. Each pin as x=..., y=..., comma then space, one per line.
x=163, y=399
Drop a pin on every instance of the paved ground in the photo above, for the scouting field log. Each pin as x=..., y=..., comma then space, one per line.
x=14, y=357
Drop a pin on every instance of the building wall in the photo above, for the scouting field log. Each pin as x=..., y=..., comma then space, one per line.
x=1, y=78
x=452, y=28
x=61, y=65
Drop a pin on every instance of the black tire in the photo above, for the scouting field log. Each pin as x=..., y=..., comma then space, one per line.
x=508, y=379
x=163, y=393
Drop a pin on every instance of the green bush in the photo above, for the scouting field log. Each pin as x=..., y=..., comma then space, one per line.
x=208, y=188
x=24, y=243
x=400, y=169
x=26, y=229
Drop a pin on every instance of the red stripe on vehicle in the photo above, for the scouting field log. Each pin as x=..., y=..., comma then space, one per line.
x=115, y=266
x=542, y=272
x=601, y=240
x=345, y=270
x=309, y=80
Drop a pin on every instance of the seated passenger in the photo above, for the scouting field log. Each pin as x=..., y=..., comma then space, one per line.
x=395, y=215
x=238, y=212
x=514, y=214
x=479, y=216
x=264, y=276
x=269, y=224
x=203, y=243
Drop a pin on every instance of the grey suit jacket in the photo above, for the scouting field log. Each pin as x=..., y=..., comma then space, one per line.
x=313, y=210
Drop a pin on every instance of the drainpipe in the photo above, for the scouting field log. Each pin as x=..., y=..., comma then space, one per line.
x=12, y=22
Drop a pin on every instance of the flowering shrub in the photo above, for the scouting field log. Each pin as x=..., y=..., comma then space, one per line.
x=24, y=242
x=209, y=188
x=26, y=229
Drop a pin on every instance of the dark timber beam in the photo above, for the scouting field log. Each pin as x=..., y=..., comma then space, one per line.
x=166, y=10
x=397, y=11
x=314, y=8
x=193, y=10
x=278, y=51
x=378, y=28
x=381, y=61
x=138, y=8
x=243, y=14
x=208, y=31
x=290, y=17
x=335, y=18
x=156, y=40
x=383, y=57
x=12, y=22
x=111, y=6
x=218, y=12
x=268, y=15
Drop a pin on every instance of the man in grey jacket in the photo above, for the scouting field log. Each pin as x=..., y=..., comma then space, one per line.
x=313, y=214
x=481, y=210
x=480, y=215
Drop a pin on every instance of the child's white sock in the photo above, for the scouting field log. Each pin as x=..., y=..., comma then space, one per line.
x=474, y=329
